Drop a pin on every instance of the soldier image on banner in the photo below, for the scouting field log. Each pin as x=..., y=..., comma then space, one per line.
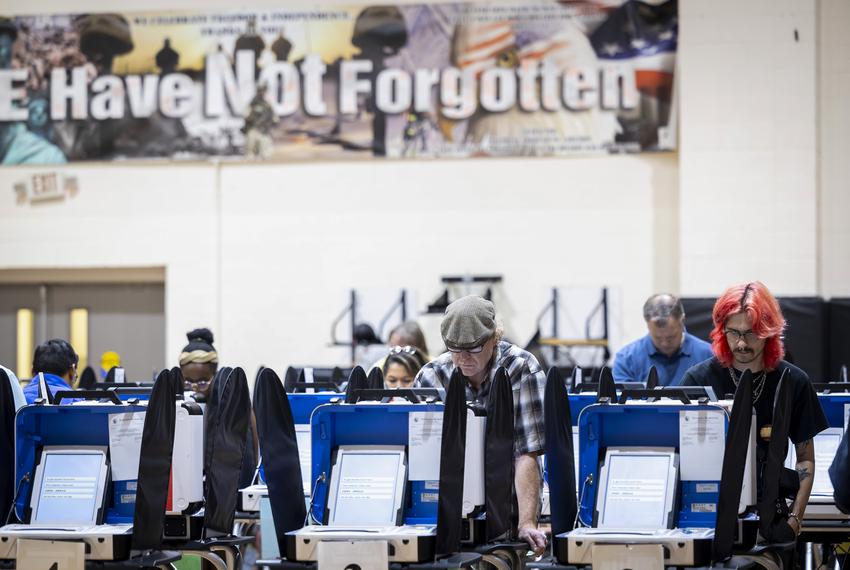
x=258, y=126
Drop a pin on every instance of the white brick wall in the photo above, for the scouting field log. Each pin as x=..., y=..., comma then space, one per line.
x=834, y=139
x=747, y=156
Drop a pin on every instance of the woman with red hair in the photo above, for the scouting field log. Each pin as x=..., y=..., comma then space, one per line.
x=747, y=335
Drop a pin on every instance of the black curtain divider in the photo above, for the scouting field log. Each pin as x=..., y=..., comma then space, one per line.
x=279, y=450
x=7, y=444
x=375, y=380
x=452, y=460
x=839, y=332
x=229, y=439
x=211, y=414
x=607, y=387
x=732, y=472
x=110, y=375
x=177, y=382
x=357, y=380
x=560, y=462
x=155, y=465
x=87, y=379
x=499, y=459
x=771, y=518
x=652, y=378
x=290, y=377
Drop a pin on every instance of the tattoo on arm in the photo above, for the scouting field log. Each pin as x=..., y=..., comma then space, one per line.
x=803, y=473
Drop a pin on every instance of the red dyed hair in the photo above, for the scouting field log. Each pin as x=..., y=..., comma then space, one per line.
x=761, y=306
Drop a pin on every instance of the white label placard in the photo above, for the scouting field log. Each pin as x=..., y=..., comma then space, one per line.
x=347, y=554
x=305, y=454
x=701, y=443
x=50, y=555
x=125, y=444
x=424, y=436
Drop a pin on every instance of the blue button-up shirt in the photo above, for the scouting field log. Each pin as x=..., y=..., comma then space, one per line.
x=634, y=360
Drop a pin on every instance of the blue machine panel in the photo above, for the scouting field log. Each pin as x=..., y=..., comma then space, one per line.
x=302, y=405
x=367, y=424
x=833, y=408
x=604, y=425
x=37, y=426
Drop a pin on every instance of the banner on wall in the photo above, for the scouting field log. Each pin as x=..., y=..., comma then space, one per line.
x=520, y=78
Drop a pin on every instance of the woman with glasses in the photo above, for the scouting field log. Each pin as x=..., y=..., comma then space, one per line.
x=198, y=363
x=401, y=366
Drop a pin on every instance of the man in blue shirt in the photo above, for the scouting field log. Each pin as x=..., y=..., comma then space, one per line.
x=668, y=346
x=57, y=360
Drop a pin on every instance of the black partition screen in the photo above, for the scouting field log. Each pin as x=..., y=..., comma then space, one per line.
x=839, y=335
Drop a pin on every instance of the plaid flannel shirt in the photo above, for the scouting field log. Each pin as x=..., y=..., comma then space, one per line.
x=528, y=382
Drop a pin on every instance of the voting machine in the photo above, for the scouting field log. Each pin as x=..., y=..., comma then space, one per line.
x=69, y=485
x=649, y=482
x=376, y=469
x=76, y=470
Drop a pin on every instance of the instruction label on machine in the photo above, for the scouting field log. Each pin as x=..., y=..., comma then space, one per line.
x=125, y=444
x=424, y=436
x=701, y=441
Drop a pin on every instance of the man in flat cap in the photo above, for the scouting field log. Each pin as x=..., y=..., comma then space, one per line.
x=474, y=341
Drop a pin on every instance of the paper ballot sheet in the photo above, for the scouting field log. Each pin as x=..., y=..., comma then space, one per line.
x=701, y=442
x=125, y=444
x=425, y=434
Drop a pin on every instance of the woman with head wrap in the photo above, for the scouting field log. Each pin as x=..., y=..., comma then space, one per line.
x=198, y=363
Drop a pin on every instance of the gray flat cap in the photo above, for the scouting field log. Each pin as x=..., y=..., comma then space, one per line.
x=469, y=322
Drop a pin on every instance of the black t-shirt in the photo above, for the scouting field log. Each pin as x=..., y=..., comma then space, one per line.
x=807, y=418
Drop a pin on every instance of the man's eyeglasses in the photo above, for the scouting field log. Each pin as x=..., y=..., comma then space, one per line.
x=473, y=350
x=195, y=384
x=733, y=335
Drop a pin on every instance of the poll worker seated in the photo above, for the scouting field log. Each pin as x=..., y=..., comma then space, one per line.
x=747, y=334
x=57, y=360
x=667, y=345
x=474, y=341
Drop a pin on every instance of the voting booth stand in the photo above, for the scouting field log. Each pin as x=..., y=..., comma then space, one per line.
x=376, y=473
x=648, y=485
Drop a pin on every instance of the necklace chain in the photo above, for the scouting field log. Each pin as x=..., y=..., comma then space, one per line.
x=758, y=383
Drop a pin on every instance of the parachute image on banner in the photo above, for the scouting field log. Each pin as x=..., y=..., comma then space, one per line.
x=506, y=78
